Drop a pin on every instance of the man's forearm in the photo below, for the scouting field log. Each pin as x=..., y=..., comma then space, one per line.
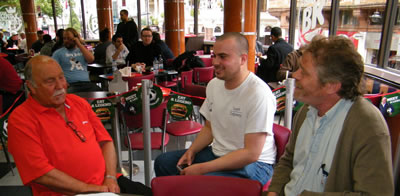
x=203, y=139
x=61, y=182
x=110, y=157
x=86, y=53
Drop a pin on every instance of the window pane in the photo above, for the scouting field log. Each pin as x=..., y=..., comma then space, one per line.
x=394, y=56
x=10, y=19
x=211, y=18
x=313, y=17
x=274, y=13
x=361, y=21
x=92, y=25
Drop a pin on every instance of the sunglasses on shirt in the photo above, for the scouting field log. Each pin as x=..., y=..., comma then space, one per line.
x=77, y=132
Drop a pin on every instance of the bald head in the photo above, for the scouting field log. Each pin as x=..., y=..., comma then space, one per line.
x=46, y=81
x=37, y=64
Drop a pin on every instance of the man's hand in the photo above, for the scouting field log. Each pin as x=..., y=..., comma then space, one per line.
x=195, y=169
x=186, y=158
x=77, y=41
x=112, y=185
x=90, y=188
x=272, y=194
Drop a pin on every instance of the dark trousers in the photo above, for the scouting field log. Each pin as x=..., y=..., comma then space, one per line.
x=131, y=187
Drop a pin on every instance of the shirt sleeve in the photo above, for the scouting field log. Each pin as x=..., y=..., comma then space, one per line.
x=260, y=114
x=26, y=147
x=109, y=54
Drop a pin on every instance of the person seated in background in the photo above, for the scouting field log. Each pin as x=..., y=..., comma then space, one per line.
x=48, y=45
x=100, y=49
x=38, y=44
x=289, y=65
x=144, y=52
x=165, y=51
x=10, y=84
x=74, y=58
x=259, y=48
x=3, y=44
x=237, y=138
x=59, y=40
x=12, y=42
x=276, y=54
x=117, y=52
x=22, y=42
x=340, y=144
x=58, y=143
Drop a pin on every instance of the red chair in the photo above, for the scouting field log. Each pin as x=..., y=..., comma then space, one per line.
x=281, y=136
x=133, y=81
x=186, y=78
x=134, y=141
x=199, y=52
x=195, y=90
x=374, y=98
x=203, y=74
x=204, y=185
x=207, y=62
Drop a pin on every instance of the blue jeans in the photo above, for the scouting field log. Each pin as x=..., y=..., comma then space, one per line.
x=165, y=165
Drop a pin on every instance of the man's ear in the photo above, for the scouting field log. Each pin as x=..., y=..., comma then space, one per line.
x=332, y=87
x=30, y=87
x=243, y=59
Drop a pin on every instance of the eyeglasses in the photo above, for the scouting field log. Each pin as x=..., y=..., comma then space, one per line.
x=77, y=132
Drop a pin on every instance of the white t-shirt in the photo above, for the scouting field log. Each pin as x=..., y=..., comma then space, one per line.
x=249, y=108
x=121, y=57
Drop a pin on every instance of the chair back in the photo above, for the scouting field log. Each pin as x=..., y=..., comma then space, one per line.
x=204, y=185
x=157, y=118
x=196, y=90
x=186, y=78
x=203, y=74
x=133, y=81
x=281, y=136
x=207, y=61
x=374, y=98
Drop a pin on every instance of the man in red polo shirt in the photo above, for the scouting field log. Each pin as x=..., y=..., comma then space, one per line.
x=59, y=145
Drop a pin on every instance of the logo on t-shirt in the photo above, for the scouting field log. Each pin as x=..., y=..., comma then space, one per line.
x=236, y=112
x=75, y=64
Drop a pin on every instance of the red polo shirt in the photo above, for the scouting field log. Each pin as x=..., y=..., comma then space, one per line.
x=40, y=140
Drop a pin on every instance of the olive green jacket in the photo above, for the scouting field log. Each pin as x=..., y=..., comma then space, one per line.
x=362, y=163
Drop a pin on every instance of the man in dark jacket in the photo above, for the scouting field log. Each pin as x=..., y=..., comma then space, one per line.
x=275, y=56
x=128, y=29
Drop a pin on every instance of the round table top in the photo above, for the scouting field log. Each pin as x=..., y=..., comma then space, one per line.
x=96, y=65
x=93, y=94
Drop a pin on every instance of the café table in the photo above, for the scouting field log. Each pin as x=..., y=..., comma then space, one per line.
x=104, y=67
x=164, y=74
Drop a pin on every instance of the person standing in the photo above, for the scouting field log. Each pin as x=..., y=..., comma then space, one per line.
x=276, y=54
x=237, y=138
x=128, y=29
x=22, y=42
x=340, y=144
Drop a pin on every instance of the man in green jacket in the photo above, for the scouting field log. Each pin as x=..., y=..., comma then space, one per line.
x=340, y=143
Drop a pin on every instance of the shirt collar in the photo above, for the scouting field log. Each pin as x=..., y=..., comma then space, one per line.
x=36, y=106
x=331, y=112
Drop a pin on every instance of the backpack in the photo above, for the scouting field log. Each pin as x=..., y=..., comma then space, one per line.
x=190, y=59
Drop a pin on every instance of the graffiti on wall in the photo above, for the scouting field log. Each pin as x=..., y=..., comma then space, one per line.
x=10, y=20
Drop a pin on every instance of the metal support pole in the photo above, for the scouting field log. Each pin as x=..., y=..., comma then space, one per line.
x=117, y=136
x=146, y=85
x=289, y=83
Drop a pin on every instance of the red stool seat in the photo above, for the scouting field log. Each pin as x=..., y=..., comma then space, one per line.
x=137, y=140
x=182, y=128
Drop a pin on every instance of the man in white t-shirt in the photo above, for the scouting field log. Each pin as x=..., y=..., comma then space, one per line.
x=237, y=138
x=116, y=52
